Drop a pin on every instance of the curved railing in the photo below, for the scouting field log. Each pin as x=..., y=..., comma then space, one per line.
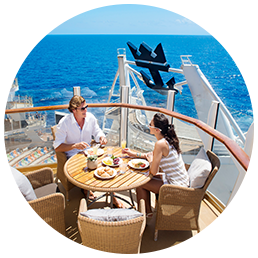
x=231, y=145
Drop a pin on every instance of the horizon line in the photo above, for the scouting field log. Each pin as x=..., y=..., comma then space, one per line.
x=117, y=34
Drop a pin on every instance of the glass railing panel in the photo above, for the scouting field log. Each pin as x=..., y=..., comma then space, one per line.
x=190, y=144
x=110, y=124
x=223, y=183
x=189, y=139
x=139, y=137
x=28, y=138
x=244, y=118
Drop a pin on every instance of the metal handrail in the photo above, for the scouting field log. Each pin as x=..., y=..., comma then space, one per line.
x=231, y=145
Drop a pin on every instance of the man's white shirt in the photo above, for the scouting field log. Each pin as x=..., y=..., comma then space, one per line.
x=68, y=131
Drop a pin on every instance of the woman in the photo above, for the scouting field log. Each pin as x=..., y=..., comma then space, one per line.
x=165, y=158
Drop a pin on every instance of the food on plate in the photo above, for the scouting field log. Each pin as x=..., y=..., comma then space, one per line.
x=91, y=152
x=112, y=161
x=108, y=162
x=116, y=161
x=105, y=175
x=105, y=172
x=139, y=164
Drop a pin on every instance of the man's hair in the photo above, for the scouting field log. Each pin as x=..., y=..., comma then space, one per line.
x=75, y=102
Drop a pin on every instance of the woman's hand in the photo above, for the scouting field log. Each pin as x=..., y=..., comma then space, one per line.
x=128, y=152
x=149, y=156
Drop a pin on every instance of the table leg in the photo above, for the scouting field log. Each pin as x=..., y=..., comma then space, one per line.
x=131, y=196
x=96, y=199
x=106, y=197
x=111, y=201
x=124, y=200
x=87, y=197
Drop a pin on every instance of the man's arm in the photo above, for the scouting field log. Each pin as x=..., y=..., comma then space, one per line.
x=60, y=144
x=63, y=147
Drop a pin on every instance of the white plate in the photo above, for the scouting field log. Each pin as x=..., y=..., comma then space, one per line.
x=135, y=161
x=88, y=152
x=97, y=175
x=112, y=165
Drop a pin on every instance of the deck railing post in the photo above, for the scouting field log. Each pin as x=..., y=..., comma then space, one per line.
x=121, y=68
x=124, y=84
x=124, y=97
x=212, y=121
x=171, y=103
x=77, y=90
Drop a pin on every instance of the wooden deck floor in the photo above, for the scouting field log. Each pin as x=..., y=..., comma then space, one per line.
x=215, y=247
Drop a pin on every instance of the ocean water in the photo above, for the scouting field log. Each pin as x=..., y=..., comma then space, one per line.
x=59, y=62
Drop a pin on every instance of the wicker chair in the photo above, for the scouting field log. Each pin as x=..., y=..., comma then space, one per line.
x=50, y=208
x=116, y=237
x=178, y=207
x=61, y=159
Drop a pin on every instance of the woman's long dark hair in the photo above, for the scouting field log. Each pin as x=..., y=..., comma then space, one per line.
x=160, y=121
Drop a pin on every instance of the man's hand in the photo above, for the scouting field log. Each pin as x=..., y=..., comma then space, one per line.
x=102, y=140
x=80, y=145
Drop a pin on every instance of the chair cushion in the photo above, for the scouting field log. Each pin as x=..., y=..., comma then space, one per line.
x=111, y=214
x=199, y=170
x=24, y=185
x=46, y=190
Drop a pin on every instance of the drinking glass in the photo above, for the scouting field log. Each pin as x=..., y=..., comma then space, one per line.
x=95, y=149
x=122, y=167
x=123, y=144
x=109, y=151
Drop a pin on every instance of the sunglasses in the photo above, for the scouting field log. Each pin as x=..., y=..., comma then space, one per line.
x=154, y=127
x=83, y=108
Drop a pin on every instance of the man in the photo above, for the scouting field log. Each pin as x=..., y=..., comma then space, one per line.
x=74, y=132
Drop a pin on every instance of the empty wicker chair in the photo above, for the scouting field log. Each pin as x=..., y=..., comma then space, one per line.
x=178, y=207
x=61, y=159
x=116, y=237
x=48, y=204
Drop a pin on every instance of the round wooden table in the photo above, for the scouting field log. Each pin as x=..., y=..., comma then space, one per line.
x=77, y=173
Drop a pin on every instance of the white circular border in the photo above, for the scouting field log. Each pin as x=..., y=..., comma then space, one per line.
x=136, y=2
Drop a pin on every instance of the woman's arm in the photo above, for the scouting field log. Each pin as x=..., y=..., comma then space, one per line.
x=135, y=154
x=157, y=155
x=153, y=157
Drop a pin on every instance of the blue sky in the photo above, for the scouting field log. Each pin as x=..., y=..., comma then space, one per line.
x=230, y=17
